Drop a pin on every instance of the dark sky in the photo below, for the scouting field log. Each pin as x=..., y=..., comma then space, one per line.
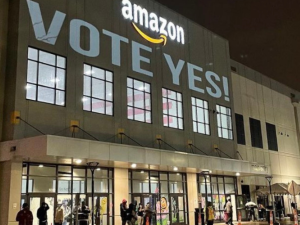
x=263, y=34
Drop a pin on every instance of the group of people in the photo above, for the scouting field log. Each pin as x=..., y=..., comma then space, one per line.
x=131, y=214
x=25, y=216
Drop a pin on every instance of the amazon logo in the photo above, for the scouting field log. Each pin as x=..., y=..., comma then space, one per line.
x=164, y=29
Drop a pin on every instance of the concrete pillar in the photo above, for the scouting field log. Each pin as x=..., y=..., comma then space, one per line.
x=192, y=193
x=121, y=191
x=10, y=191
x=297, y=119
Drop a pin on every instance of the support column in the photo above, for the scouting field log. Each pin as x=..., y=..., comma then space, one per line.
x=121, y=191
x=192, y=193
x=297, y=119
x=10, y=191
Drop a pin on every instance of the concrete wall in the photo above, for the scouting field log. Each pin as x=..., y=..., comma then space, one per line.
x=121, y=191
x=261, y=98
x=202, y=48
x=3, y=49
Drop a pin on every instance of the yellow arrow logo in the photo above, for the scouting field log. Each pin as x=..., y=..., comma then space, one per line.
x=163, y=39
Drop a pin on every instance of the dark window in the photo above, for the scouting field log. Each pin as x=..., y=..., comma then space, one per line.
x=240, y=129
x=256, y=137
x=272, y=138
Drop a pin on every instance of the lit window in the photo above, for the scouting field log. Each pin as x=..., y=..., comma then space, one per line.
x=172, y=109
x=200, y=116
x=138, y=100
x=46, y=76
x=224, y=122
x=97, y=90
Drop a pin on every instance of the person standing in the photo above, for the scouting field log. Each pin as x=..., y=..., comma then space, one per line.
x=59, y=215
x=131, y=215
x=24, y=216
x=123, y=211
x=42, y=214
x=210, y=214
x=140, y=214
x=229, y=211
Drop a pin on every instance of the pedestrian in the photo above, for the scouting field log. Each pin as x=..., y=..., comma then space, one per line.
x=148, y=214
x=123, y=211
x=210, y=214
x=140, y=214
x=24, y=216
x=229, y=211
x=42, y=214
x=59, y=215
x=131, y=214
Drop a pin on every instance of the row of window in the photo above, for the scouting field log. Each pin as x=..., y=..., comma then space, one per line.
x=256, y=135
x=46, y=81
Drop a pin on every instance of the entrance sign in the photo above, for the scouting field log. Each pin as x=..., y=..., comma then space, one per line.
x=199, y=80
x=142, y=17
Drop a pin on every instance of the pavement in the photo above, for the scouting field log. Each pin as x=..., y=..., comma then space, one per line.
x=285, y=222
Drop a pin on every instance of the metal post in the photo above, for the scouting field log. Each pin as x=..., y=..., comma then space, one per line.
x=269, y=179
x=205, y=174
x=93, y=166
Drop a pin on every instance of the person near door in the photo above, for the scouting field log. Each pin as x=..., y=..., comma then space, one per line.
x=210, y=214
x=42, y=214
x=25, y=217
x=131, y=214
x=140, y=214
x=123, y=210
x=228, y=209
x=59, y=214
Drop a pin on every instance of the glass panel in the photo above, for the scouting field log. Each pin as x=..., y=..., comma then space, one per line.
x=109, y=76
x=45, y=95
x=47, y=58
x=229, y=180
x=64, y=185
x=31, y=92
x=98, y=73
x=61, y=62
x=66, y=204
x=60, y=79
x=64, y=170
x=42, y=184
x=109, y=108
x=109, y=91
x=79, y=172
x=140, y=175
x=47, y=75
x=163, y=176
x=154, y=187
x=100, y=185
x=174, y=209
x=60, y=98
x=214, y=188
x=87, y=104
x=229, y=188
x=87, y=70
x=32, y=72
x=98, y=88
x=41, y=170
x=221, y=188
x=181, y=216
x=50, y=213
x=35, y=203
x=110, y=208
x=164, y=186
x=77, y=202
x=78, y=185
x=32, y=53
x=98, y=106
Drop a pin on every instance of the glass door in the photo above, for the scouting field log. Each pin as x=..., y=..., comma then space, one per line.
x=177, y=209
x=100, y=209
x=241, y=201
x=35, y=202
x=140, y=198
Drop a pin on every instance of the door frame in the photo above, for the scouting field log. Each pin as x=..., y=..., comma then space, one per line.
x=177, y=195
x=98, y=196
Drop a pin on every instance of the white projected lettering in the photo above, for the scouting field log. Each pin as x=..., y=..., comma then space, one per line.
x=142, y=17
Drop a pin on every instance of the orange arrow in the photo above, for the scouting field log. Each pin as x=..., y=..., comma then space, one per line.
x=163, y=39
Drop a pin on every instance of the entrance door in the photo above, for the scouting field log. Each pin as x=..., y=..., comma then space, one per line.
x=35, y=201
x=140, y=198
x=241, y=201
x=101, y=209
x=177, y=209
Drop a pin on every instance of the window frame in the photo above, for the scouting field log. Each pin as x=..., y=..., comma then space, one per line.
x=259, y=142
x=177, y=112
x=273, y=138
x=37, y=85
x=197, y=122
x=220, y=127
x=241, y=139
x=90, y=98
x=144, y=101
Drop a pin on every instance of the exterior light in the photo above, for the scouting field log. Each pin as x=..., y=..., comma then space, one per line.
x=142, y=171
x=177, y=174
x=175, y=168
x=210, y=171
x=237, y=174
x=98, y=169
x=41, y=166
x=78, y=161
x=133, y=165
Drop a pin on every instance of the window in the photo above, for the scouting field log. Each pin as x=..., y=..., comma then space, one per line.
x=272, y=138
x=200, y=116
x=46, y=76
x=256, y=137
x=224, y=122
x=240, y=130
x=138, y=101
x=97, y=90
x=172, y=109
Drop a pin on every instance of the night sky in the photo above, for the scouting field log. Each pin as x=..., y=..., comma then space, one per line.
x=263, y=34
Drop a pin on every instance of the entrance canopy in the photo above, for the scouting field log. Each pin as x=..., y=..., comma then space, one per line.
x=278, y=188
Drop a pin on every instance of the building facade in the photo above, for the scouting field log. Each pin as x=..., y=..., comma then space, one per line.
x=151, y=96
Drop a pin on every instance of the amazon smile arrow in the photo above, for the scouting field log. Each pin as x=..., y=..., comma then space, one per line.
x=163, y=39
